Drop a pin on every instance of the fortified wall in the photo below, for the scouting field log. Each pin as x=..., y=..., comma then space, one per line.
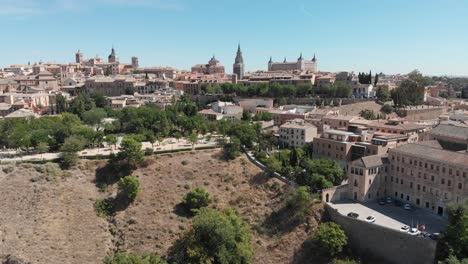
x=392, y=246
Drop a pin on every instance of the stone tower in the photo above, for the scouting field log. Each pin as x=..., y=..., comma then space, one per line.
x=238, y=67
x=270, y=62
x=135, y=63
x=113, y=57
x=300, y=63
x=79, y=57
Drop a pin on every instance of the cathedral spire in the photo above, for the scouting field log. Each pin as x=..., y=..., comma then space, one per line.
x=314, y=59
x=239, y=58
x=284, y=59
x=300, y=57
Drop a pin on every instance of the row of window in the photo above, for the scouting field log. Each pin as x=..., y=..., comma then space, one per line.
x=432, y=167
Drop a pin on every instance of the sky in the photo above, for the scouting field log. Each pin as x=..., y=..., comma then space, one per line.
x=389, y=36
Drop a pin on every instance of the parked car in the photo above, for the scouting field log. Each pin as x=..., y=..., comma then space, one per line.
x=382, y=202
x=405, y=228
x=353, y=215
x=389, y=200
x=407, y=207
x=370, y=219
x=434, y=236
x=414, y=231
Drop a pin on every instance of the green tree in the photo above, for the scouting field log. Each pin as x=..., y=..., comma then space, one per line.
x=129, y=187
x=94, y=117
x=130, y=152
x=368, y=114
x=69, y=150
x=196, y=199
x=193, y=138
x=455, y=238
x=216, y=237
x=383, y=94
x=331, y=237
x=409, y=92
x=111, y=140
x=232, y=149
x=300, y=202
x=320, y=174
x=130, y=258
x=62, y=104
x=42, y=148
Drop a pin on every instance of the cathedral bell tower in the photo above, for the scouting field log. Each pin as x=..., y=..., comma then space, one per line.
x=238, y=67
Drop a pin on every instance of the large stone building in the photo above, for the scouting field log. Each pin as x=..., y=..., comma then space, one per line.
x=421, y=174
x=300, y=65
x=296, y=133
x=238, y=67
x=213, y=67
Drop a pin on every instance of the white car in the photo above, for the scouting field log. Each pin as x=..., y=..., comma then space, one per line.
x=405, y=228
x=407, y=207
x=414, y=231
x=370, y=219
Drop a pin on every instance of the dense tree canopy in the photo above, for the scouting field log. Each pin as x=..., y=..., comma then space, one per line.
x=216, y=237
x=196, y=199
x=331, y=237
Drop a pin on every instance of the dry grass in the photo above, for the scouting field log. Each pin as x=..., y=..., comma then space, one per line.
x=54, y=221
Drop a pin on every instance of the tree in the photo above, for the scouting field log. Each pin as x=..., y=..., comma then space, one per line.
x=455, y=238
x=232, y=149
x=94, y=117
x=293, y=158
x=299, y=201
x=130, y=258
x=130, y=152
x=62, y=105
x=368, y=114
x=383, y=94
x=196, y=199
x=216, y=237
x=387, y=109
x=409, y=92
x=42, y=148
x=320, y=174
x=111, y=140
x=193, y=138
x=129, y=187
x=331, y=237
x=69, y=150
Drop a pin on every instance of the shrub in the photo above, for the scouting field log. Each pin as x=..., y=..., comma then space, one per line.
x=331, y=237
x=148, y=151
x=216, y=237
x=103, y=207
x=387, y=109
x=300, y=202
x=129, y=187
x=196, y=199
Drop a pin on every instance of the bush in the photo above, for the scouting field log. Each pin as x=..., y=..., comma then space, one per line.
x=196, y=199
x=216, y=237
x=331, y=237
x=129, y=258
x=103, y=208
x=387, y=109
x=148, y=151
x=129, y=187
x=300, y=202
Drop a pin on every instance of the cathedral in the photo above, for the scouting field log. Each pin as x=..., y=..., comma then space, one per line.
x=238, y=67
x=300, y=65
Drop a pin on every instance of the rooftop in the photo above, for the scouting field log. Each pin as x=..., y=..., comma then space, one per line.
x=433, y=153
x=451, y=131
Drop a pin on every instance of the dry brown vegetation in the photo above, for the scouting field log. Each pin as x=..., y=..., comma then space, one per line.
x=52, y=219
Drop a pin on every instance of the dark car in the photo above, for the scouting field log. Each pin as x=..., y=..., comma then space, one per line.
x=382, y=202
x=353, y=215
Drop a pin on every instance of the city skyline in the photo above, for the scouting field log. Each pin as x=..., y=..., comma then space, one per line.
x=395, y=37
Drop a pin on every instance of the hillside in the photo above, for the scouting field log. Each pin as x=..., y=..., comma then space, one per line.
x=48, y=215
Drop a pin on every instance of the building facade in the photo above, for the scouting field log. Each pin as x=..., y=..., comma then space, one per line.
x=300, y=65
x=238, y=67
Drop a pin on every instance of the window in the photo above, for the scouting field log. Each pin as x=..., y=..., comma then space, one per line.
x=432, y=178
x=370, y=181
x=396, y=194
x=417, y=201
x=355, y=183
x=407, y=197
x=432, y=166
x=427, y=204
x=424, y=188
x=460, y=185
x=450, y=171
x=442, y=181
x=401, y=195
x=401, y=181
x=449, y=183
x=425, y=165
x=443, y=169
x=419, y=187
x=391, y=178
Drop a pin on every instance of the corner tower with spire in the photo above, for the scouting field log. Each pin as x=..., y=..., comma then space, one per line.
x=238, y=67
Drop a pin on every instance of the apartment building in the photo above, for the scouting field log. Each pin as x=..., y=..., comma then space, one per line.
x=422, y=174
x=296, y=133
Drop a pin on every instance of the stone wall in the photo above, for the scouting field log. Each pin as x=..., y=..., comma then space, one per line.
x=417, y=113
x=378, y=242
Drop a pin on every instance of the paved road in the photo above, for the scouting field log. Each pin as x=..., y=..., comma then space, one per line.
x=167, y=145
x=393, y=216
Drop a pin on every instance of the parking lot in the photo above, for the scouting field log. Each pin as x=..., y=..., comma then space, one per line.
x=392, y=216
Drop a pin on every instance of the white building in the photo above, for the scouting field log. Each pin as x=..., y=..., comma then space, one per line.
x=296, y=133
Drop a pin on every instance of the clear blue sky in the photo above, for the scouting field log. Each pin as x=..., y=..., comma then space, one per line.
x=390, y=36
